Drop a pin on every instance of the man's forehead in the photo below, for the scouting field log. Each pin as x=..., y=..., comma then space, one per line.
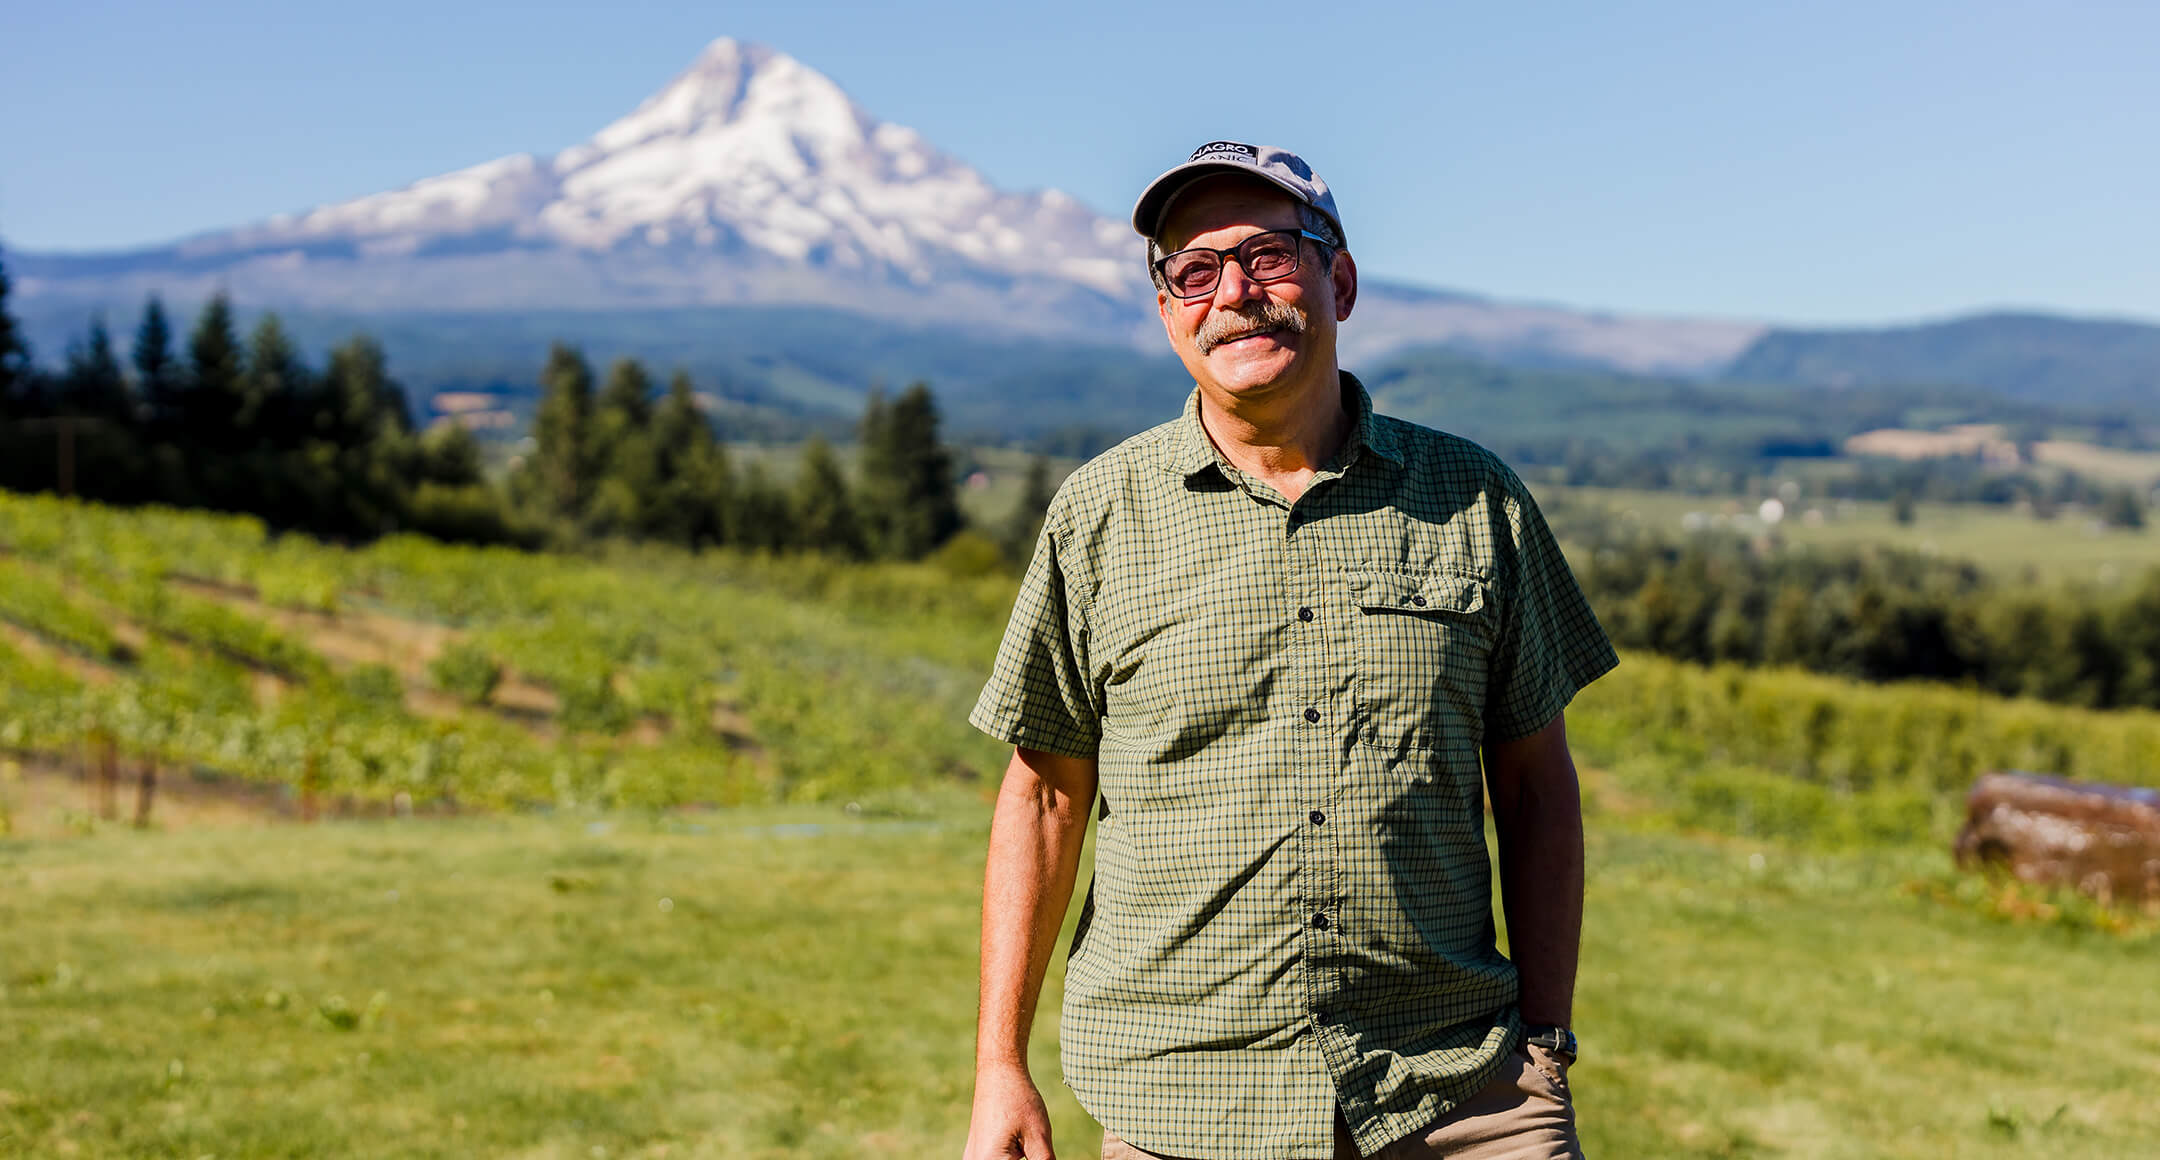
x=1222, y=201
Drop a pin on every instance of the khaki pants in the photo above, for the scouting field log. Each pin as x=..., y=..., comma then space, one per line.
x=1525, y=1113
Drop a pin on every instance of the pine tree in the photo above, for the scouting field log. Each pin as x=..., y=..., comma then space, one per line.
x=1026, y=521
x=622, y=448
x=278, y=394
x=157, y=372
x=911, y=474
x=93, y=385
x=825, y=519
x=695, y=493
x=17, y=373
x=210, y=398
x=362, y=404
x=761, y=519
x=450, y=456
x=370, y=428
x=561, y=467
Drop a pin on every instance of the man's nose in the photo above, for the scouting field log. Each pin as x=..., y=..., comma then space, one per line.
x=1234, y=286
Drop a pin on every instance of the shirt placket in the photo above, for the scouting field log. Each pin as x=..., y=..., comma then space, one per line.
x=1325, y=717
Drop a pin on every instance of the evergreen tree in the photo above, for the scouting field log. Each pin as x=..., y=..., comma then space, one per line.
x=361, y=404
x=17, y=373
x=450, y=456
x=277, y=390
x=825, y=519
x=157, y=372
x=694, y=499
x=909, y=475
x=761, y=519
x=1026, y=521
x=210, y=398
x=622, y=447
x=93, y=385
x=561, y=467
x=370, y=451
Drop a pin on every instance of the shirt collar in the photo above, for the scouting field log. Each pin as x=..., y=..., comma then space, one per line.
x=1189, y=451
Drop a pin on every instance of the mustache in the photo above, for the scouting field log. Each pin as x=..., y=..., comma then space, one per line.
x=1230, y=325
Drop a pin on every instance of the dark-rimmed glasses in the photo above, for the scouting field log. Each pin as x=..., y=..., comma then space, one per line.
x=1268, y=257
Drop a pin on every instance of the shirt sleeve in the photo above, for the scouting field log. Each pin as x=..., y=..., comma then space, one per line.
x=1039, y=693
x=1551, y=644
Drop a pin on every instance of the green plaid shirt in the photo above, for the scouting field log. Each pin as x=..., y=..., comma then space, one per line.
x=1292, y=906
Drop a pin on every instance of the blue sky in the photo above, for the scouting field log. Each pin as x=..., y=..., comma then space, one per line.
x=1825, y=162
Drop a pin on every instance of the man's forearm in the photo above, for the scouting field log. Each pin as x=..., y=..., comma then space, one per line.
x=1035, y=838
x=1537, y=814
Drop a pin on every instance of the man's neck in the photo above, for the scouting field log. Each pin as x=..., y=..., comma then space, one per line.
x=1283, y=440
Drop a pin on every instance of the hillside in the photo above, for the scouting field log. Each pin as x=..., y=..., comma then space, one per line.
x=2032, y=357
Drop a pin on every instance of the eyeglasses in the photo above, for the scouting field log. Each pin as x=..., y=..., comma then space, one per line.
x=1268, y=257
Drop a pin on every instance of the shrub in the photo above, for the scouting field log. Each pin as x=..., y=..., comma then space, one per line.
x=466, y=671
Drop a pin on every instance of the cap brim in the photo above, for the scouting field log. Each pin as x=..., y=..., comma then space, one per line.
x=1148, y=211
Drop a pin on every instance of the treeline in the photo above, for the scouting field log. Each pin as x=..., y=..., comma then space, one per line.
x=1878, y=615
x=249, y=426
x=610, y=462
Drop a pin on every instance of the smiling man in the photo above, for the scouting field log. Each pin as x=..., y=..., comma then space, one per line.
x=1282, y=648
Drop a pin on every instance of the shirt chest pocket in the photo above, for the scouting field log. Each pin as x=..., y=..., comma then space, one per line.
x=1421, y=644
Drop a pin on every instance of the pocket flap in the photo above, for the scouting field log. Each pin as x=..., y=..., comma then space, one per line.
x=1402, y=592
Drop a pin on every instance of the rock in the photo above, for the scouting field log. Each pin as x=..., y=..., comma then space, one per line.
x=2103, y=840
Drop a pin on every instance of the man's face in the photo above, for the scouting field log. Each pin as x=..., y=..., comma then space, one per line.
x=1251, y=339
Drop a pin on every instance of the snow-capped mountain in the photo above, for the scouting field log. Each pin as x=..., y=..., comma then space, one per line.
x=750, y=177
x=753, y=179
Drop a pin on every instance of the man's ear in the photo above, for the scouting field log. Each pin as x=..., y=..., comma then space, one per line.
x=1343, y=274
x=1162, y=310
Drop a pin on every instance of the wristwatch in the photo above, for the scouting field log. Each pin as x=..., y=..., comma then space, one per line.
x=1558, y=1040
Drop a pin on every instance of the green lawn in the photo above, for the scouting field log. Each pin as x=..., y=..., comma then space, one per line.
x=2011, y=545
x=801, y=983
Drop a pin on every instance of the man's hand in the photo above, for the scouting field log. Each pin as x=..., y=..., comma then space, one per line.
x=1010, y=1121
x=1035, y=836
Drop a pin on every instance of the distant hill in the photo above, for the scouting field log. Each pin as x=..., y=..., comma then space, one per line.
x=1549, y=415
x=2037, y=357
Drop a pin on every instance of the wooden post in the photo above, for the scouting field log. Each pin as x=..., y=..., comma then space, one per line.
x=66, y=456
x=308, y=780
x=145, y=793
x=105, y=780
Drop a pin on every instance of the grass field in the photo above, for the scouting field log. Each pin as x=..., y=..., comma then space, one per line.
x=2011, y=545
x=799, y=983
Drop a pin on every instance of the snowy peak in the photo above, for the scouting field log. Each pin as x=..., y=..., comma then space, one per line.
x=753, y=158
x=732, y=81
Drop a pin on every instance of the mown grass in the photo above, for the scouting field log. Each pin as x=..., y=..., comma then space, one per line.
x=2009, y=544
x=801, y=983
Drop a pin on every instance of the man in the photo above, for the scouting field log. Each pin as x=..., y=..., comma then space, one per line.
x=1276, y=636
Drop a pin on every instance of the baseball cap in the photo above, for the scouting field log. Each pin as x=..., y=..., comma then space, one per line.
x=1279, y=166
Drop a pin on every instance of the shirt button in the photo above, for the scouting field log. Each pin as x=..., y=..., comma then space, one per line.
x=1313, y=715
x=1304, y=614
x=1318, y=817
x=1320, y=1017
x=1418, y=600
x=1319, y=922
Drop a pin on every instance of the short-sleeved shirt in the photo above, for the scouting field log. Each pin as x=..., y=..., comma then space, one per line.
x=1291, y=910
